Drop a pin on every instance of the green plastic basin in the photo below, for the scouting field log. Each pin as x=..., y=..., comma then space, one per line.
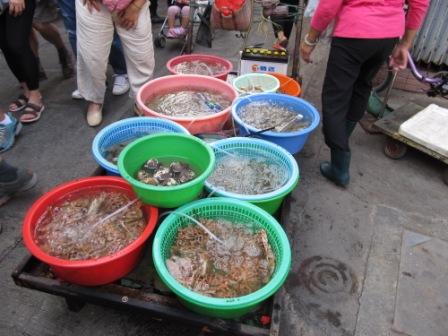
x=233, y=210
x=167, y=147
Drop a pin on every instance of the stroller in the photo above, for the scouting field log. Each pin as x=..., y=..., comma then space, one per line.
x=198, y=15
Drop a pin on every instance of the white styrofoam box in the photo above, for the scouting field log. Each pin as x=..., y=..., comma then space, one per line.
x=429, y=128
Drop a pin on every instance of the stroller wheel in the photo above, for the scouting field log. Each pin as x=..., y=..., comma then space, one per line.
x=160, y=41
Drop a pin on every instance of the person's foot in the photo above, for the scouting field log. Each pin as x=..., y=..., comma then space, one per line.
x=94, y=114
x=157, y=19
x=176, y=32
x=23, y=180
x=9, y=128
x=66, y=63
x=121, y=85
x=337, y=171
x=32, y=112
x=77, y=95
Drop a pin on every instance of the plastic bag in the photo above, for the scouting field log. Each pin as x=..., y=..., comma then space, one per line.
x=232, y=15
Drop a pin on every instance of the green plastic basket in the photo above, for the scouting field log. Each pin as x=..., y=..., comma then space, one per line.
x=233, y=210
x=167, y=146
x=257, y=148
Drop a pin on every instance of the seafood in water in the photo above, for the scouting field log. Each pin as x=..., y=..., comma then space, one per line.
x=240, y=266
x=199, y=68
x=247, y=175
x=78, y=228
x=189, y=103
x=264, y=114
x=113, y=152
x=155, y=173
x=251, y=89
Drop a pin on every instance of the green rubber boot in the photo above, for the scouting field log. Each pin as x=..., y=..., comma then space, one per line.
x=337, y=170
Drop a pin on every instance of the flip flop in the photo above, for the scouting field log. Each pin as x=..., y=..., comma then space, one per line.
x=31, y=113
x=20, y=104
x=277, y=46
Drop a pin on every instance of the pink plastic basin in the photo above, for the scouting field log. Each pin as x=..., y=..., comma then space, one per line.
x=203, y=124
x=171, y=64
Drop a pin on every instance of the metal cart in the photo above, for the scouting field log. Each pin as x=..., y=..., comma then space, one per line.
x=143, y=291
x=396, y=144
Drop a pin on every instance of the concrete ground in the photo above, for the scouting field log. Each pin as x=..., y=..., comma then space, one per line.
x=346, y=243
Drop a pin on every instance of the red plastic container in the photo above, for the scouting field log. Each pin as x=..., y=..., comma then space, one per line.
x=171, y=64
x=92, y=272
x=195, y=125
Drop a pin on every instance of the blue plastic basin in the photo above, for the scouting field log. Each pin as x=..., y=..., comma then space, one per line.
x=127, y=130
x=293, y=142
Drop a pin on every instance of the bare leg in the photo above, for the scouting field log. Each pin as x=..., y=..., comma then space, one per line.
x=185, y=16
x=173, y=11
x=51, y=33
x=34, y=43
x=184, y=21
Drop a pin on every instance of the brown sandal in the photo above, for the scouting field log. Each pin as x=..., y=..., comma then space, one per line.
x=20, y=104
x=31, y=113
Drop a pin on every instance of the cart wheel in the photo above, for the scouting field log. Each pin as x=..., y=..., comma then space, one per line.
x=74, y=305
x=160, y=41
x=445, y=176
x=394, y=149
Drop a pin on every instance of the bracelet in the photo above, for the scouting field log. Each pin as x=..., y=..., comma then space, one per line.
x=310, y=43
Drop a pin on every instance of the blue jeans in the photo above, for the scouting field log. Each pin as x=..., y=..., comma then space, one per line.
x=116, y=57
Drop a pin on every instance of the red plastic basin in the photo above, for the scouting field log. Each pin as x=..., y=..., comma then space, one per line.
x=195, y=125
x=91, y=272
x=171, y=64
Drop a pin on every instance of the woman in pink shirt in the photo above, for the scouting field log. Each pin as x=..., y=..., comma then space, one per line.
x=365, y=33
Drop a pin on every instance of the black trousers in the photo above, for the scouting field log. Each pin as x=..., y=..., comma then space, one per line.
x=352, y=64
x=15, y=45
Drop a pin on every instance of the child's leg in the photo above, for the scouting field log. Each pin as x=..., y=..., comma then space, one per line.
x=173, y=11
x=185, y=16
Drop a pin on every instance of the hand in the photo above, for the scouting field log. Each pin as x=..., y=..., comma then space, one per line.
x=128, y=18
x=305, y=52
x=16, y=7
x=399, y=58
x=92, y=5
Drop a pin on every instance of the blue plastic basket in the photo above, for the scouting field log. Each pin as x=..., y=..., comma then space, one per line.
x=293, y=142
x=126, y=130
x=256, y=148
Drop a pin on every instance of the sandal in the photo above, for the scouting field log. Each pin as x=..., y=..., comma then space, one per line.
x=171, y=33
x=20, y=104
x=31, y=113
x=277, y=46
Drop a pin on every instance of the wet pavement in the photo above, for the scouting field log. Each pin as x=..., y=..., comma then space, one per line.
x=347, y=244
